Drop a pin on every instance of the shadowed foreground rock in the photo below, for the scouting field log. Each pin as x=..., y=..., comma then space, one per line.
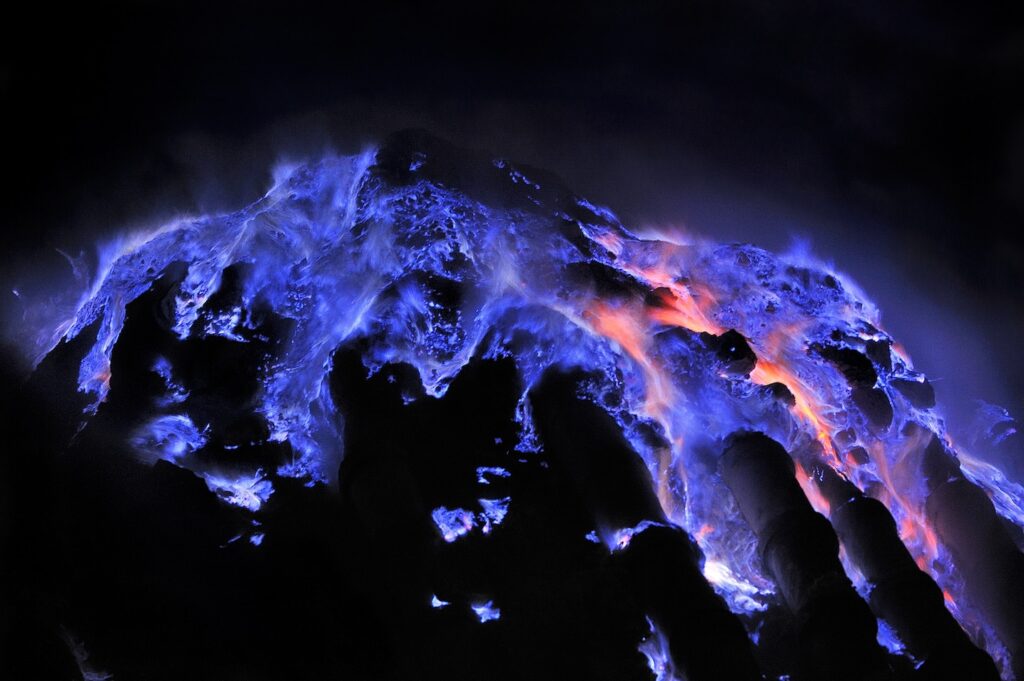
x=901, y=594
x=837, y=631
x=706, y=641
x=992, y=565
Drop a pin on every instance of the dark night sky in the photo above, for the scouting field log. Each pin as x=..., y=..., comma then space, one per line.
x=891, y=137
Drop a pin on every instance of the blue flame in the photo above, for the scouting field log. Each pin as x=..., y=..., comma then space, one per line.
x=249, y=491
x=483, y=473
x=453, y=523
x=458, y=522
x=486, y=611
x=171, y=438
x=426, y=274
x=654, y=647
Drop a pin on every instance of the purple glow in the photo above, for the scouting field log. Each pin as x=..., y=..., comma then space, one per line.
x=494, y=512
x=344, y=253
x=247, y=491
x=458, y=522
x=453, y=523
x=619, y=539
x=483, y=473
x=486, y=611
x=655, y=648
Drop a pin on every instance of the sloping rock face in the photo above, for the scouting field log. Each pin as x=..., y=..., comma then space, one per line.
x=425, y=413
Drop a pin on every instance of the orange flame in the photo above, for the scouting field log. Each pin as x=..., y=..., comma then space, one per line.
x=811, y=491
x=626, y=328
x=808, y=405
x=612, y=242
x=682, y=308
x=920, y=538
x=665, y=497
x=691, y=306
x=102, y=377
